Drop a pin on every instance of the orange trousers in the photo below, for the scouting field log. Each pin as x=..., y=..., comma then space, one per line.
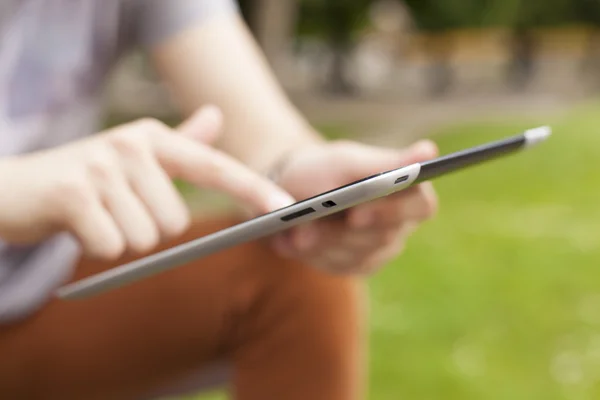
x=276, y=328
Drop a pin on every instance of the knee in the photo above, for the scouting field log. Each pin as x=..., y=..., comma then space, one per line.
x=305, y=330
x=299, y=304
x=301, y=286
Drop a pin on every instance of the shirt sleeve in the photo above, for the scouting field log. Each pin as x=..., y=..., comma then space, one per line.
x=157, y=20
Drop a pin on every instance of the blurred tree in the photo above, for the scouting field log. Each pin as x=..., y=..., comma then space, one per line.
x=444, y=15
x=588, y=12
x=337, y=22
x=522, y=17
x=272, y=23
x=343, y=18
x=437, y=18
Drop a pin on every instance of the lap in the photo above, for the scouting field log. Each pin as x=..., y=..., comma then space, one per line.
x=127, y=342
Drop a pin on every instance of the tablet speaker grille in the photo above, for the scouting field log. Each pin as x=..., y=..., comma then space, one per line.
x=401, y=179
x=298, y=214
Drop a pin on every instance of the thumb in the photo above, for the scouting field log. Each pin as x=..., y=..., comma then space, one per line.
x=420, y=151
x=360, y=160
x=204, y=125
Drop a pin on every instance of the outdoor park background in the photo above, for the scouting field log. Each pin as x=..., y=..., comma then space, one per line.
x=499, y=296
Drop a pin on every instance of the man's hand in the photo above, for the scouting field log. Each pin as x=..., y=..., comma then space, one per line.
x=114, y=192
x=364, y=237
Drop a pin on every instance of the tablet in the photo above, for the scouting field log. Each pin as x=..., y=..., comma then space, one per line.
x=324, y=204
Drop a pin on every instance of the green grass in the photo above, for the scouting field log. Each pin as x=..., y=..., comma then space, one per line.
x=499, y=296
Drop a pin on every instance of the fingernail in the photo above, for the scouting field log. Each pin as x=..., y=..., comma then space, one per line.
x=426, y=148
x=204, y=125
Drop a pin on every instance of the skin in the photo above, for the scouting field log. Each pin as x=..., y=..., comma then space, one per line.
x=363, y=238
x=113, y=191
x=262, y=128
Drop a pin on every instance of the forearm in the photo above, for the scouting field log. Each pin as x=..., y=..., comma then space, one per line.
x=219, y=63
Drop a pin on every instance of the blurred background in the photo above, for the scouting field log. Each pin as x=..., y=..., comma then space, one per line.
x=499, y=296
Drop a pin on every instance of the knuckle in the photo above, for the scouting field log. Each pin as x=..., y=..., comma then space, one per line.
x=345, y=146
x=129, y=144
x=151, y=127
x=101, y=167
x=212, y=175
x=71, y=192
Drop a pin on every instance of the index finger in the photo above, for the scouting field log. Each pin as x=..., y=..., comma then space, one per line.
x=207, y=167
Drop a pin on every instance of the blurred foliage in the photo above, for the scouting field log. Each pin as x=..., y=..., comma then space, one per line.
x=339, y=22
x=334, y=19
x=325, y=17
x=587, y=11
x=436, y=15
x=523, y=13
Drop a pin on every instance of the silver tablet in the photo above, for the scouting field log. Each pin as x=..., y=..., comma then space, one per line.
x=319, y=206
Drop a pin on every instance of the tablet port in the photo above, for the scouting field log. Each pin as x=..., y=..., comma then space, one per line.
x=401, y=179
x=298, y=214
x=329, y=204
